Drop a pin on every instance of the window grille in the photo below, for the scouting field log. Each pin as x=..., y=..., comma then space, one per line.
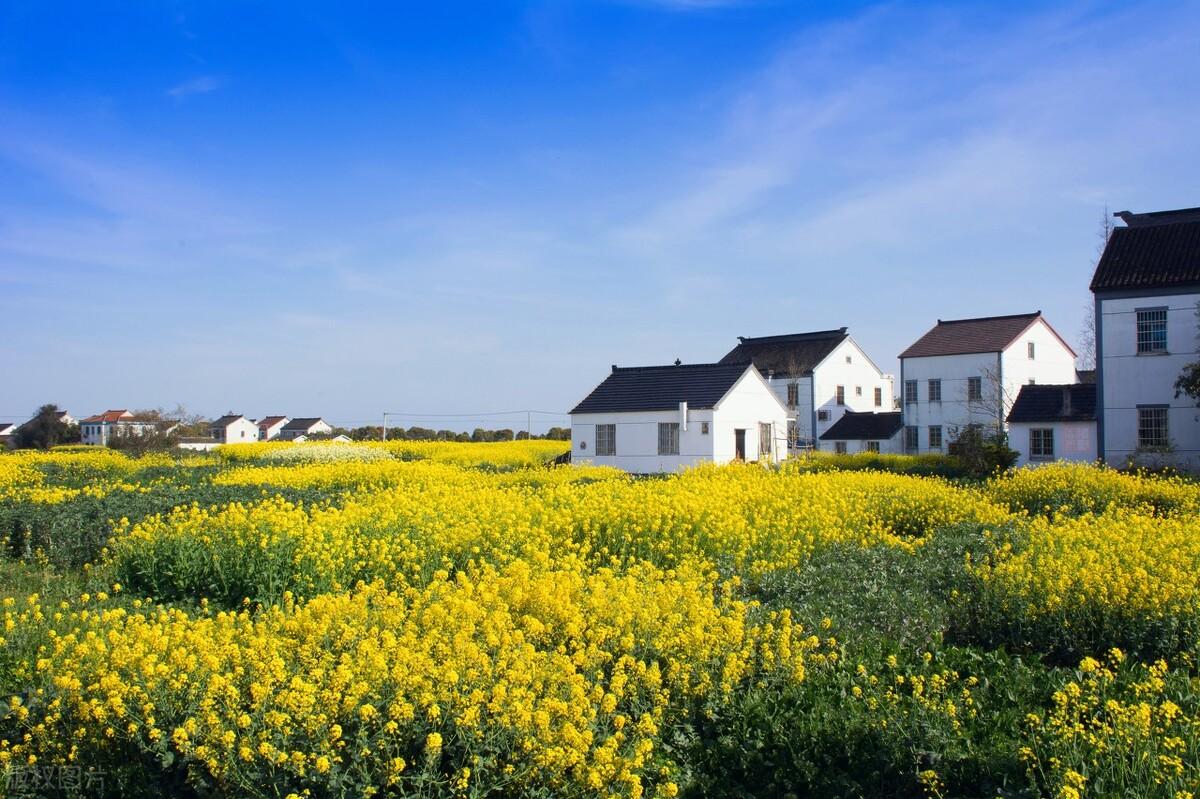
x=668, y=438
x=1041, y=444
x=1152, y=427
x=935, y=390
x=606, y=439
x=1151, y=330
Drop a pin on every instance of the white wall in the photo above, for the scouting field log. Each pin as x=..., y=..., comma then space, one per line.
x=272, y=431
x=888, y=446
x=637, y=440
x=1130, y=379
x=1053, y=363
x=747, y=404
x=1073, y=441
x=860, y=377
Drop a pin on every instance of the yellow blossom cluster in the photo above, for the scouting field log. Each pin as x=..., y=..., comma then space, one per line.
x=746, y=518
x=556, y=678
x=1083, y=488
x=1116, y=730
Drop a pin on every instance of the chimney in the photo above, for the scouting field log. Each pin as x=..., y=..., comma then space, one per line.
x=678, y=362
x=614, y=367
x=683, y=416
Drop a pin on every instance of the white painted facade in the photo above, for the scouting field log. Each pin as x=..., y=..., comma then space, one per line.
x=238, y=431
x=319, y=427
x=270, y=430
x=1000, y=376
x=886, y=446
x=99, y=432
x=705, y=435
x=1073, y=441
x=1127, y=379
x=864, y=387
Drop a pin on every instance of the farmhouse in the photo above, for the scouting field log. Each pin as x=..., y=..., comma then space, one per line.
x=1054, y=422
x=97, y=430
x=307, y=426
x=865, y=432
x=966, y=372
x=233, y=428
x=651, y=419
x=269, y=427
x=819, y=376
x=1147, y=290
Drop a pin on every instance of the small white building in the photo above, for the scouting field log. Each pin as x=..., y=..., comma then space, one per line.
x=307, y=427
x=7, y=431
x=233, y=429
x=1054, y=423
x=865, y=432
x=97, y=430
x=654, y=419
x=967, y=372
x=1147, y=290
x=269, y=427
x=819, y=376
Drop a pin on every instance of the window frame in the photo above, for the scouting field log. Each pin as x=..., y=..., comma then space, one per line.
x=766, y=440
x=1030, y=350
x=839, y=395
x=1038, y=439
x=839, y=448
x=1145, y=335
x=1165, y=441
x=668, y=445
x=793, y=394
x=912, y=438
x=878, y=396
x=975, y=389
x=611, y=431
x=873, y=446
x=930, y=437
x=934, y=387
x=910, y=392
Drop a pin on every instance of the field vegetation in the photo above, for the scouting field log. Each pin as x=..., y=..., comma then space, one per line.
x=437, y=619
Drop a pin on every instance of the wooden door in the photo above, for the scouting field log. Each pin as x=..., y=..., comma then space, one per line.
x=739, y=444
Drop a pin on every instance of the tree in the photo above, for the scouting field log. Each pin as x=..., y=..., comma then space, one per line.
x=143, y=439
x=45, y=430
x=1188, y=382
x=1087, y=331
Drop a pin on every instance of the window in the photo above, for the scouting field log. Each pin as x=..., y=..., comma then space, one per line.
x=935, y=436
x=935, y=390
x=1029, y=350
x=1151, y=330
x=878, y=397
x=910, y=439
x=704, y=428
x=847, y=359
x=1041, y=444
x=822, y=416
x=839, y=447
x=840, y=395
x=606, y=439
x=910, y=391
x=764, y=440
x=872, y=446
x=793, y=433
x=668, y=438
x=858, y=391
x=974, y=389
x=1152, y=427
x=793, y=397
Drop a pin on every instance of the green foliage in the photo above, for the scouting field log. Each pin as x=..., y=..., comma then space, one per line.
x=45, y=430
x=982, y=452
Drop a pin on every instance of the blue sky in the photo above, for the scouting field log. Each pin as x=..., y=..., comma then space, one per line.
x=349, y=208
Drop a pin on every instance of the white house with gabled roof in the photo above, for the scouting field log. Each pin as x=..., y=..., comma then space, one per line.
x=819, y=376
x=233, y=428
x=968, y=372
x=654, y=419
x=1147, y=290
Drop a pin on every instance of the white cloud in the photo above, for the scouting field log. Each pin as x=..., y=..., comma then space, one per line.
x=199, y=85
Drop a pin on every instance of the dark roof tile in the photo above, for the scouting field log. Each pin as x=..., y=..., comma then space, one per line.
x=660, y=388
x=791, y=355
x=864, y=427
x=1155, y=250
x=965, y=336
x=1055, y=403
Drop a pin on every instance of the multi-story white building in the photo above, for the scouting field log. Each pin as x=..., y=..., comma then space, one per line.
x=1147, y=290
x=967, y=372
x=269, y=427
x=233, y=429
x=653, y=419
x=819, y=376
x=98, y=430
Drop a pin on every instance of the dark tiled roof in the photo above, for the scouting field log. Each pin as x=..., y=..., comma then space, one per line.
x=1085, y=375
x=1155, y=250
x=661, y=388
x=864, y=427
x=302, y=424
x=226, y=420
x=791, y=355
x=1055, y=403
x=964, y=336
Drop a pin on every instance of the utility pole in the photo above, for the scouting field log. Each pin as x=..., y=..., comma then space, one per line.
x=529, y=425
x=383, y=437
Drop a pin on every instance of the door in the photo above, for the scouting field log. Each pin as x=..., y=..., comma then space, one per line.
x=739, y=444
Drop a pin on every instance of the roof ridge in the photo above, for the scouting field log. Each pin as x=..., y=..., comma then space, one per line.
x=990, y=318
x=677, y=366
x=836, y=331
